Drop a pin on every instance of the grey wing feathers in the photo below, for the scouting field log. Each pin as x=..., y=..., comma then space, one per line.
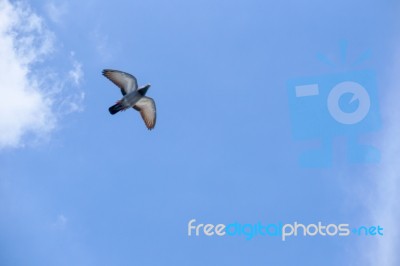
x=125, y=81
x=147, y=108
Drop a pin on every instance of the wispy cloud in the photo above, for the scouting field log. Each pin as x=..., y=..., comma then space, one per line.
x=28, y=94
x=105, y=48
x=56, y=11
x=60, y=222
x=76, y=73
x=384, y=196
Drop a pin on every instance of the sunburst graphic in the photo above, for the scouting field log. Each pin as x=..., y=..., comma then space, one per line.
x=344, y=58
x=340, y=104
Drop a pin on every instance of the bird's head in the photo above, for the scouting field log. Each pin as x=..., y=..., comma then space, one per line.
x=144, y=89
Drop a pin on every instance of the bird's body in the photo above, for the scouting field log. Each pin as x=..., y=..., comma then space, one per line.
x=133, y=97
x=129, y=100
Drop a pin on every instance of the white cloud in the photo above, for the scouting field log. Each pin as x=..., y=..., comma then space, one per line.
x=28, y=96
x=24, y=41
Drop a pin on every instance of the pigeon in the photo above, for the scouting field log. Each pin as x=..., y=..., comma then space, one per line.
x=133, y=96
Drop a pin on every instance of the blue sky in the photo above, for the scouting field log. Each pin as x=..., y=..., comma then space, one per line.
x=81, y=187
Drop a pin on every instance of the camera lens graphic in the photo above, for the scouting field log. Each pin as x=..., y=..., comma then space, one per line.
x=359, y=93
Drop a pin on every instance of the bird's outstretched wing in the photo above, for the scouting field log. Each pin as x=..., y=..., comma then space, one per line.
x=125, y=81
x=147, y=108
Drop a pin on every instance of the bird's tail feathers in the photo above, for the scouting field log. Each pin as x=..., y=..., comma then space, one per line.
x=116, y=108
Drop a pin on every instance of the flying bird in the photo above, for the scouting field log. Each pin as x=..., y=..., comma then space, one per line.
x=133, y=96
